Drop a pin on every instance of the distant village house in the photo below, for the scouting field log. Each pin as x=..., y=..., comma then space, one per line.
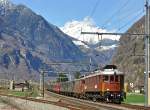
x=19, y=86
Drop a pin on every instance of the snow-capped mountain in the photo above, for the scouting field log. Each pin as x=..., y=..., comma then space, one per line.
x=6, y=4
x=74, y=28
x=4, y=1
x=99, y=49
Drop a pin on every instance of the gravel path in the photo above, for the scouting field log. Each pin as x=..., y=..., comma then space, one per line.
x=22, y=104
x=4, y=106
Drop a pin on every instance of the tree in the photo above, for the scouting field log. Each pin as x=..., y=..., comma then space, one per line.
x=62, y=77
x=77, y=75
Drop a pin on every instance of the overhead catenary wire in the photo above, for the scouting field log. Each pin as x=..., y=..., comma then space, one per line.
x=92, y=13
x=129, y=15
x=94, y=8
x=130, y=21
x=133, y=17
x=101, y=33
x=113, y=15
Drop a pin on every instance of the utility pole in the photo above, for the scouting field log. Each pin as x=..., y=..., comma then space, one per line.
x=42, y=83
x=90, y=68
x=147, y=80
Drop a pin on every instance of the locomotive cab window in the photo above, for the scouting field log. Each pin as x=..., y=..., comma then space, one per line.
x=106, y=79
x=83, y=81
x=111, y=78
x=117, y=79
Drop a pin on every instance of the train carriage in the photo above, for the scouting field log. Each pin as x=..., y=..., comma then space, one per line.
x=67, y=87
x=106, y=84
x=79, y=88
x=54, y=87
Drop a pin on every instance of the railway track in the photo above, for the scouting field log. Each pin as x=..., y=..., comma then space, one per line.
x=80, y=104
x=71, y=105
x=67, y=102
x=98, y=105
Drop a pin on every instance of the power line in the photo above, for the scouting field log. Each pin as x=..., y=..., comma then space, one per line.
x=113, y=15
x=70, y=63
x=95, y=7
x=98, y=33
x=134, y=16
x=129, y=15
x=133, y=19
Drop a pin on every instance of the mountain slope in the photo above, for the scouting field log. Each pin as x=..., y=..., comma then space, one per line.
x=129, y=56
x=29, y=42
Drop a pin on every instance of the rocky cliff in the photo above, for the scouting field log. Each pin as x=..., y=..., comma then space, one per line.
x=130, y=54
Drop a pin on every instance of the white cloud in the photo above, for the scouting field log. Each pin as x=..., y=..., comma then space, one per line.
x=73, y=28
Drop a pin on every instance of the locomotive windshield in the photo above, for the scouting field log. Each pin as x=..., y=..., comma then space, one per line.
x=111, y=78
x=110, y=67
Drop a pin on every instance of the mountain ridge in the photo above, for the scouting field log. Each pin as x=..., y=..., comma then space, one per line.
x=29, y=42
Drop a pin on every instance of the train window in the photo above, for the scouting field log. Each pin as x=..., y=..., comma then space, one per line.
x=106, y=78
x=117, y=79
x=111, y=78
x=97, y=79
x=83, y=81
x=87, y=80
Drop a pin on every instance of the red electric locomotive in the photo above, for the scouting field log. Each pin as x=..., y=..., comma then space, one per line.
x=106, y=85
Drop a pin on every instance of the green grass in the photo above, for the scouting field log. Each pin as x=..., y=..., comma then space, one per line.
x=35, y=93
x=134, y=98
x=32, y=93
x=19, y=93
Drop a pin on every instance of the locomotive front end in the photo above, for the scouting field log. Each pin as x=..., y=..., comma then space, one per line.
x=113, y=84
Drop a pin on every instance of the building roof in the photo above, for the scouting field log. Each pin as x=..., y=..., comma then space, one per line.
x=20, y=85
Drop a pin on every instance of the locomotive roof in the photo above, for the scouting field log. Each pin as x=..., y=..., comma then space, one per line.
x=104, y=72
x=100, y=72
x=110, y=67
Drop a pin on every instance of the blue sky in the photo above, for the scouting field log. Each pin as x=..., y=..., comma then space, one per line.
x=109, y=14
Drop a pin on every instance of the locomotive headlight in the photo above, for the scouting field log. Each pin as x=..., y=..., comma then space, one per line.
x=85, y=87
x=107, y=89
x=118, y=95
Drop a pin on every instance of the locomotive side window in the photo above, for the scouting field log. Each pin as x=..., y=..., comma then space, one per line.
x=117, y=78
x=88, y=80
x=106, y=78
x=100, y=77
x=83, y=81
x=97, y=78
x=111, y=78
